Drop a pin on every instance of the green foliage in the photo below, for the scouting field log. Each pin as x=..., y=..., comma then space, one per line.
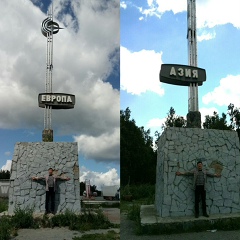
x=174, y=120
x=141, y=192
x=216, y=122
x=4, y=174
x=86, y=221
x=138, y=157
x=3, y=204
x=134, y=212
x=23, y=218
x=110, y=235
x=5, y=228
x=234, y=115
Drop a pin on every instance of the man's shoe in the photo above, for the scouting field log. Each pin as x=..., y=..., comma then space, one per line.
x=205, y=215
x=196, y=215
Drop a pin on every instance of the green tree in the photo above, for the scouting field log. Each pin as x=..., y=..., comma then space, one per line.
x=234, y=115
x=138, y=159
x=174, y=120
x=216, y=122
x=4, y=174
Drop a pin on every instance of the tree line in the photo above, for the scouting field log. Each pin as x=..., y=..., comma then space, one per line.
x=138, y=158
x=138, y=151
x=4, y=174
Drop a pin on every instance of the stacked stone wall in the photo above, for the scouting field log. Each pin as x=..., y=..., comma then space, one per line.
x=34, y=159
x=178, y=150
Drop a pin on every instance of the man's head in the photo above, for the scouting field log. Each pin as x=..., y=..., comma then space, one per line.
x=50, y=171
x=199, y=165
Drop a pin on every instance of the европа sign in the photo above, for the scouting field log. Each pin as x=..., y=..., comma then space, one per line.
x=181, y=75
x=56, y=100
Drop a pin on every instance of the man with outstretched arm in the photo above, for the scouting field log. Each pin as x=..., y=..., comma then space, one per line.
x=50, y=180
x=200, y=179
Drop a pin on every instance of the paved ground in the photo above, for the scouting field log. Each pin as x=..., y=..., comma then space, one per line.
x=127, y=233
x=113, y=214
x=53, y=234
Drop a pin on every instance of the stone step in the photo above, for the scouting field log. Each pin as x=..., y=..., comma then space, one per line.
x=151, y=223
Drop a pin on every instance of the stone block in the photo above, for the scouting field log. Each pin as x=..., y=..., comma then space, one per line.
x=192, y=144
x=40, y=192
x=33, y=159
x=167, y=200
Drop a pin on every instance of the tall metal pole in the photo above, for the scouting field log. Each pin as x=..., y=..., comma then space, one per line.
x=48, y=31
x=194, y=116
x=50, y=100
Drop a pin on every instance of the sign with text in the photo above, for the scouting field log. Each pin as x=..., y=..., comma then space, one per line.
x=56, y=100
x=181, y=75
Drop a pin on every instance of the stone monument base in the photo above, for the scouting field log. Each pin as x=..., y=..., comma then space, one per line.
x=34, y=159
x=194, y=120
x=47, y=135
x=179, y=150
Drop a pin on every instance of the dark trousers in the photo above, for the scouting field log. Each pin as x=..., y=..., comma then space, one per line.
x=200, y=191
x=50, y=197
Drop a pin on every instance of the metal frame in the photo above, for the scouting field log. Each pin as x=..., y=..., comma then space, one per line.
x=192, y=54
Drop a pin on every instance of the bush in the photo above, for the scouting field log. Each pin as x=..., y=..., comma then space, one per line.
x=3, y=204
x=23, y=218
x=5, y=228
x=86, y=221
x=140, y=192
x=134, y=212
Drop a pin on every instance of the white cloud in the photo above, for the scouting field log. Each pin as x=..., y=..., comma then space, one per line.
x=156, y=122
x=99, y=179
x=159, y=7
x=206, y=36
x=227, y=92
x=139, y=70
x=101, y=148
x=123, y=4
x=207, y=111
x=210, y=13
x=7, y=166
x=82, y=60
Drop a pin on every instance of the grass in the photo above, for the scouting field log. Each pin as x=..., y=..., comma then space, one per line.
x=141, y=195
x=110, y=235
x=144, y=192
x=5, y=228
x=23, y=218
x=3, y=204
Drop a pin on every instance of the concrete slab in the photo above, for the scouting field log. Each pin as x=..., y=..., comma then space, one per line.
x=152, y=223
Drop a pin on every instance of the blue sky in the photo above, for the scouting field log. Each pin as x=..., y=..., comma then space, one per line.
x=86, y=64
x=154, y=32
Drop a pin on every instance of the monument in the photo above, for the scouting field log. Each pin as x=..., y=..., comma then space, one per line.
x=179, y=149
x=34, y=159
x=50, y=100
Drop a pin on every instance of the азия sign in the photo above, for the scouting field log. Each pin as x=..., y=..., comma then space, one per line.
x=56, y=100
x=181, y=74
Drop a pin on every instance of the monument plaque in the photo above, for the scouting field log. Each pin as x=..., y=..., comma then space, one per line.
x=182, y=75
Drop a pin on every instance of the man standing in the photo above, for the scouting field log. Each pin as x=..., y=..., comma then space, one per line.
x=50, y=180
x=200, y=179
